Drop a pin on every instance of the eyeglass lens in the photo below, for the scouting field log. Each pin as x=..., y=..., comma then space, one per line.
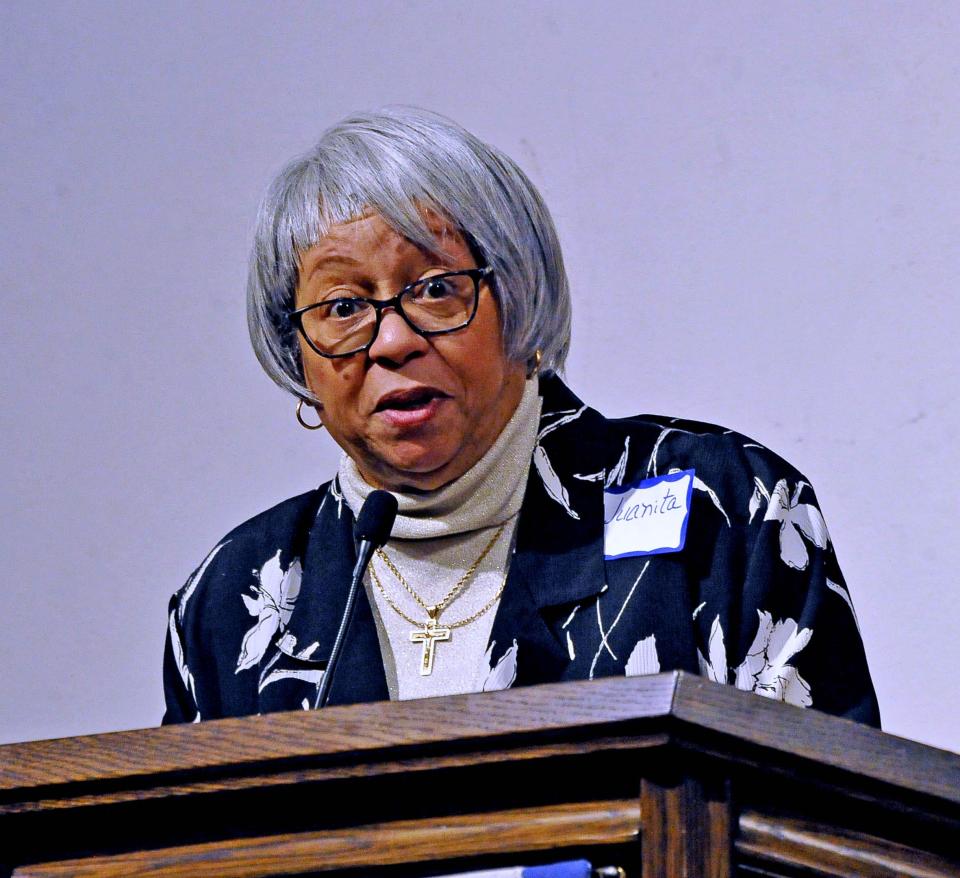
x=435, y=304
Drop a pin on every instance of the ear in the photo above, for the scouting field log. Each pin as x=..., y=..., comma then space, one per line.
x=533, y=364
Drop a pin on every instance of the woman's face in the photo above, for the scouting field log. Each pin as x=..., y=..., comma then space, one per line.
x=413, y=412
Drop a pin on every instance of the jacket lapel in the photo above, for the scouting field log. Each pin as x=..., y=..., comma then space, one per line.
x=558, y=559
x=304, y=647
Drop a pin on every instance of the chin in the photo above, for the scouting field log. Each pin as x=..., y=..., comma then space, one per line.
x=423, y=471
x=425, y=478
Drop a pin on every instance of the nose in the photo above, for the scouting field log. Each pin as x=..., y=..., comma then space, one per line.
x=396, y=342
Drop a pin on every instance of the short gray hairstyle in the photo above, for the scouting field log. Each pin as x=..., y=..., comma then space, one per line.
x=397, y=162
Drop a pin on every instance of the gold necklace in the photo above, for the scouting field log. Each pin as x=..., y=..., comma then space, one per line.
x=431, y=632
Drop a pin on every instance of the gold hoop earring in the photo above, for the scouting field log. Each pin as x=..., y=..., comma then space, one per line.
x=535, y=369
x=303, y=423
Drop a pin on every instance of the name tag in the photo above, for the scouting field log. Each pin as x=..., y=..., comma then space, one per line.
x=648, y=518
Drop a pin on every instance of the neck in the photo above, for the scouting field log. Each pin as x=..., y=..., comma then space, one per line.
x=489, y=493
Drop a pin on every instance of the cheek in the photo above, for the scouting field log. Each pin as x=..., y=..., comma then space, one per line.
x=330, y=381
x=309, y=366
x=483, y=362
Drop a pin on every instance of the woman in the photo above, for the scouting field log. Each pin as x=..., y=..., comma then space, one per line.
x=407, y=285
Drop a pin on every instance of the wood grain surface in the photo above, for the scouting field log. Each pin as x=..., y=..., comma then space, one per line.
x=401, y=841
x=259, y=780
x=718, y=780
x=685, y=827
x=826, y=741
x=334, y=731
x=820, y=850
x=235, y=744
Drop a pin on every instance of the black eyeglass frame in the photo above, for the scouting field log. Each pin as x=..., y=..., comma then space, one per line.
x=395, y=302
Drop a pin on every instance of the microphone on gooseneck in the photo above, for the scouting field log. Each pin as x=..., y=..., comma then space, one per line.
x=372, y=530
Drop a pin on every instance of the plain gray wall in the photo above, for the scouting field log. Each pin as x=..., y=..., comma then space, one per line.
x=759, y=208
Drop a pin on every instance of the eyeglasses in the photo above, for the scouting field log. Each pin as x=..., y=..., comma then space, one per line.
x=435, y=305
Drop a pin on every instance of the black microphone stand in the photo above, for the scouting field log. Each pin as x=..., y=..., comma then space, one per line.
x=374, y=524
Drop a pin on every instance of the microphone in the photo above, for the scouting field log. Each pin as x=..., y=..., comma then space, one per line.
x=377, y=515
x=373, y=527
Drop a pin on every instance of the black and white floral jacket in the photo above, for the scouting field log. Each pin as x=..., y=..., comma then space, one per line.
x=754, y=597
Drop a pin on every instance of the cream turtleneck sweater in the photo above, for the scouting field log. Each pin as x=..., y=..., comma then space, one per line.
x=436, y=538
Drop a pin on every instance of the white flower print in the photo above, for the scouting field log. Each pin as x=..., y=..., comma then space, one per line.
x=179, y=657
x=310, y=675
x=700, y=485
x=178, y=614
x=591, y=477
x=544, y=467
x=501, y=675
x=604, y=635
x=795, y=518
x=570, y=648
x=653, y=463
x=337, y=495
x=272, y=603
x=760, y=494
x=195, y=579
x=551, y=481
x=765, y=670
x=288, y=645
x=564, y=417
x=840, y=590
x=643, y=659
x=615, y=476
x=716, y=668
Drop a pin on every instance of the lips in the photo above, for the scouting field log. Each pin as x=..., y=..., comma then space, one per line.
x=410, y=399
x=411, y=408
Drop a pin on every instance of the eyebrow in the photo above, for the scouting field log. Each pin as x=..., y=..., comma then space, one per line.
x=325, y=262
x=335, y=258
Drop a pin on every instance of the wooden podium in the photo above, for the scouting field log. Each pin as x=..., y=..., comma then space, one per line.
x=663, y=776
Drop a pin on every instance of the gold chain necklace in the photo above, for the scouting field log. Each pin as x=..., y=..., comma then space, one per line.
x=431, y=632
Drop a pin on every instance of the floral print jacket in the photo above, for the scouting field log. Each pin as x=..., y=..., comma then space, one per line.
x=753, y=598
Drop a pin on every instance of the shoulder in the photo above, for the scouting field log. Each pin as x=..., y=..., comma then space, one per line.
x=675, y=441
x=277, y=533
x=286, y=518
x=734, y=471
x=662, y=437
x=727, y=465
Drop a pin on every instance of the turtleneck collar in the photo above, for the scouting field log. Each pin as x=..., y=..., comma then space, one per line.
x=488, y=494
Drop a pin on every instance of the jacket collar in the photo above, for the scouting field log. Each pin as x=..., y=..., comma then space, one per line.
x=559, y=542
x=561, y=521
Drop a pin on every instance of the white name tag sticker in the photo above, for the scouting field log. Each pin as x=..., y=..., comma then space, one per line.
x=648, y=518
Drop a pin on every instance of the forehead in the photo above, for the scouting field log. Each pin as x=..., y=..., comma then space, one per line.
x=370, y=238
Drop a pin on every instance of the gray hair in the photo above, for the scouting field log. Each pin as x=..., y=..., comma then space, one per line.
x=398, y=162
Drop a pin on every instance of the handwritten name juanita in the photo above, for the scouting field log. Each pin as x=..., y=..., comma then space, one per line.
x=631, y=512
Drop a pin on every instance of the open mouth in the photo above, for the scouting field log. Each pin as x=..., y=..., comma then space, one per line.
x=410, y=400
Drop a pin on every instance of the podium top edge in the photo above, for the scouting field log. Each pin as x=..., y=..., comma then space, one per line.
x=690, y=710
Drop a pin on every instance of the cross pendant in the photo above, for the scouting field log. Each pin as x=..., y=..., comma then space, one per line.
x=429, y=636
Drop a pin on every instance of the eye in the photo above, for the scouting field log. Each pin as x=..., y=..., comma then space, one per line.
x=345, y=309
x=433, y=288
